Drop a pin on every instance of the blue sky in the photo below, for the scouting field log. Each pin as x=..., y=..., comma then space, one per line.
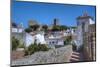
x=44, y=13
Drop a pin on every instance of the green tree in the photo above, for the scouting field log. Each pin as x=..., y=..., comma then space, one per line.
x=36, y=47
x=45, y=27
x=28, y=30
x=15, y=43
x=68, y=40
x=34, y=27
x=63, y=27
x=32, y=48
x=43, y=47
x=56, y=28
x=59, y=28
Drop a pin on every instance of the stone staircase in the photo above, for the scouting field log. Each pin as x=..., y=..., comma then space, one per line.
x=76, y=57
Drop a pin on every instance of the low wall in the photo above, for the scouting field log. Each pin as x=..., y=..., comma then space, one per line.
x=58, y=55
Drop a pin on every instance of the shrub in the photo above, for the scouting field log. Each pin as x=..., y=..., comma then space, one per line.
x=68, y=40
x=28, y=30
x=31, y=48
x=21, y=46
x=37, y=47
x=59, y=27
x=45, y=27
x=43, y=47
x=56, y=28
x=15, y=43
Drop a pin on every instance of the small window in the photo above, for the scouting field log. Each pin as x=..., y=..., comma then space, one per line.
x=53, y=42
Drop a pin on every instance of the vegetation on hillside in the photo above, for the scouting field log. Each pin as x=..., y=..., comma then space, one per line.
x=36, y=47
x=59, y=28
x=16, y=44
x=45, y=28
x=68, y=40
x=28, y=30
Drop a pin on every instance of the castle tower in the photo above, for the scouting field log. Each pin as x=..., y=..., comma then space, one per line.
x=55, y=22
x=83, y=23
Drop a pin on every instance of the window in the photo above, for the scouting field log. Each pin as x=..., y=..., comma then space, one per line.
x=53, y=42
x=83, y=27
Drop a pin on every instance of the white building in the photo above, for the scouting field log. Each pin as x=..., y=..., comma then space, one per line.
x=17, y=30
x=54, y=41
x=37, y=37
x=60, y=34
x=27, y=38
x=82, y=26
x=56, y=38
x=69, y=32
